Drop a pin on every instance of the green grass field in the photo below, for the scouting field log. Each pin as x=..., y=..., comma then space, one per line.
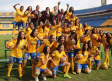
x=95, y=75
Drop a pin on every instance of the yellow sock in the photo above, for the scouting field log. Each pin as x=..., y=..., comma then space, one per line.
x=33, y=69
x=47, y=74
x=9, y=70
x=20, y=70
x=106, y=58
x=13, y=32
x=89, y=64
x=23, y=66
x=67, y=69
x=72, y=65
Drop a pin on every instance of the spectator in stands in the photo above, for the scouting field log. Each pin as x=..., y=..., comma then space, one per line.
x=18, y=20
x=37, y=15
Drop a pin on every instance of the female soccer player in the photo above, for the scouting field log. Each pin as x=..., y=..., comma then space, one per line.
x=42, y=64
x=27, y=16
x=67, y=29
x=86, y=26
x=18, y=18
x=82, y=57
x=16, y=52
x=96, y=38
x=58, y=55
x=70, y=43
x=45, y=15
x=95, y=55
x=32, y=42
x=61, y=40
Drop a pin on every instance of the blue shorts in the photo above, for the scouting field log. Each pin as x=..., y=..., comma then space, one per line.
x=70, y=54
x=40, y=42
x=80, y=66
x=38, y=55
x=17, y=24
x=97, y=62
x=12, y=60
x=76, y=51
x=41, y=70
x=56, y=68
x=25, y=24
x=26, y=55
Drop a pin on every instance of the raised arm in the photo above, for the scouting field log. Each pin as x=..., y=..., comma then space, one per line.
x=16, y=5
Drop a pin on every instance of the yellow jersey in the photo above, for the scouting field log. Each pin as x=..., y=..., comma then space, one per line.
x=32, y=43
x=73, y=28
x=59, y=31
x=46, y=30
x=27, y=16
x=103, y=38
x=78, y=43
x=56, y=57
x=68, y=14
x=88, y=27
x=40, y=32
x=45, y=42
x=84, y=57
x=19, y=15
x=53, y=30
x=93, y=51
x=28, y=32
x=17, y=50
x=79, y=31
x=95, y=38
x=39, y=64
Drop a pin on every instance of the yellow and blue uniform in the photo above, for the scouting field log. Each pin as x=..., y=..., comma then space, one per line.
x=46, y=30
x=40, y=66
x=26, y=18
x=53, y=30
x=77, y=47
x=56, y=58
x=18, y=19
x=32, y=42
x=85, y=39
x=67, y=31
x=79, y=31
x=16, y=51
x=82, y=62
x=68, y=15
x=95, y=38
x=59, y=32
x=93, y=51
x=88, y=27
x=40, y=49
x=28, y=32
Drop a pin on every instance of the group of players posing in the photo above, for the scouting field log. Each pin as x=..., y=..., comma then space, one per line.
x=55, y=39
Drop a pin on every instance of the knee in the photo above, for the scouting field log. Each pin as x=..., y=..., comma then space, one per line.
x=88, y=71
x=50, y=73
x=37, y=73
x=78, y=72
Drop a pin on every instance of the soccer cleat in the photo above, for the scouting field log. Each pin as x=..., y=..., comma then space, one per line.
x=44, y=77
x=36, y=78
x=66, y=76
x=73, y=72
x=7, y=79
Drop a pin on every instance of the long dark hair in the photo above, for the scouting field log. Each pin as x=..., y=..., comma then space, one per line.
x=60, y=37
x=71, y=10
x=75, y=38
x=93, y=30
x=59, y=46
x=21, y=7
x=89, y=43
x=45, y=49
x=28, y=8
x=83, y=49
x=108, y=41
x=32, y=32
x=19, y=38
x=86, y=31
x=84, y=25
x=49, y=10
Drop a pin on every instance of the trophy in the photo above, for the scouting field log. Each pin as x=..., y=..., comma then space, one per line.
x=59, y=3
x=67, y=5
x=71, y=49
